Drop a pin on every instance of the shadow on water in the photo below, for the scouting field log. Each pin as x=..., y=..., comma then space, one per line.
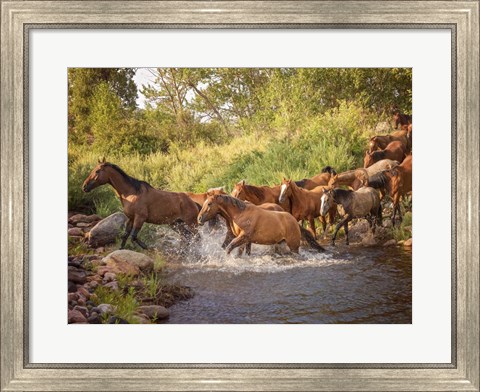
x=352, y=284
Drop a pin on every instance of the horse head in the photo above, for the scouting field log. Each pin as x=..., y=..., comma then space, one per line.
x=327, y=201
x=333, y=182
x=98, y=176
x=368, y=159
x=209, y=209
x=285, y=189
x=238, y=190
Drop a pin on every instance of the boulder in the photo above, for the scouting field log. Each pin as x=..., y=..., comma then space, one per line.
x=104, y=308
x=77, y=218
x=112, y=285
x=154, y=312
x=76, y=317
x=107, y=230
x=390, y=243
x=75, y=232
x=82, y=309
x=76, y=275
x=136, y=259
x=94, y=318
x=407, y=243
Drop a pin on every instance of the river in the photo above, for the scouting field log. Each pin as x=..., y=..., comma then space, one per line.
x=346, y=284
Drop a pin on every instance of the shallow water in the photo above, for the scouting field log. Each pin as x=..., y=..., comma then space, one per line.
x=352, y=284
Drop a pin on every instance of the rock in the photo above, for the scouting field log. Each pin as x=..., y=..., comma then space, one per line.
x=75, y=232
x=107, y=230
x=72, y=297
x=104, y=308
x=82, y=301
x=119, y=267
x=84, y=292
x=77, y=275
x=387, y=223
x=154, y=312
x=408, y=228
x=101, y=249
x=109, y=277
x=70, y=226
x=72, y=287
x=82, y=309
x=76, y=317
x=83, y=224
x=91, y=286
x=143, y=262
x=407, y=243
x=390, y=243
x=83, y=218
x=94, y=318
x=112, y=285
x=117, y=320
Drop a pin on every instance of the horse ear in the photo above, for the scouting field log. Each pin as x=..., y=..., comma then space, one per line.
x=102, y=160
x=242, y=182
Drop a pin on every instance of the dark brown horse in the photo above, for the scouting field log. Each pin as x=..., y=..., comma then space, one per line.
x=401, y=118
x=259, y=194
x=252, y=224
x=144, y=204
x=394, y=151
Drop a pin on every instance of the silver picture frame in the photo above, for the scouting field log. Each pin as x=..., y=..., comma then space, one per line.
x=19, y=17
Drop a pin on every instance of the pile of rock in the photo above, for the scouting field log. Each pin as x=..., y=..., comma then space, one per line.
x=79, y=224
x=87, y=272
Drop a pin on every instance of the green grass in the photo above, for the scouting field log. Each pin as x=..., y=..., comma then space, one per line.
x=125, y=302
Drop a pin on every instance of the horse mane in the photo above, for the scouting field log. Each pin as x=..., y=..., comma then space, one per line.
x=234, y=201
x=137, y=184
x=378, y=181
x=379, y=154
x=338, y=192
x=301, y=183
x=257, y=191
x=329, y=169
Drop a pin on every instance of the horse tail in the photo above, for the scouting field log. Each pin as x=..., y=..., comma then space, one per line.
x=306, y=235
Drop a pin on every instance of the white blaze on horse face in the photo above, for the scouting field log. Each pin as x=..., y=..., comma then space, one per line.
x=282, y=192
x=323, y=205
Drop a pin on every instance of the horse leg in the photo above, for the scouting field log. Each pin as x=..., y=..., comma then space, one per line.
x=248, y=248
x=345, y=226
x=395, y=201
x=240, y=240
x=229, y=236
x=345, y=219
x=311, y=227
x=137, y=225
x=323, y=221
x=128, y=230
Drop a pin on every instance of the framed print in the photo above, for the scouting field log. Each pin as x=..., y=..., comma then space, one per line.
x=138, y=137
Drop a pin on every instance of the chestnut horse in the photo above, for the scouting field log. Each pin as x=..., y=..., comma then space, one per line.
x=252, y=224
x=394, y=151
x=379, y=142
x=144, y=204
x=305, y=204
x=259, y=194
x=319, y=179
x=400, y=183
x=363, y=203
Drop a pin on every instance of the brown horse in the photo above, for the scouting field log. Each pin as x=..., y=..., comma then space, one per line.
x=401, y=118
x=251, y=224
x=318, y=180
x=400, y=183
x=230, y=228
x=357, y=204
x=144, y=204
x=259, y=194
x=394, y=151
x=380, y=142
x=305, y=204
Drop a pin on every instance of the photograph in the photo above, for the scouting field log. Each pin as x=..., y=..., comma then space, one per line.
x=239, y=196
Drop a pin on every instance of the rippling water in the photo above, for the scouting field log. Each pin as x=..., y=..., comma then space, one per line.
x=352, y=284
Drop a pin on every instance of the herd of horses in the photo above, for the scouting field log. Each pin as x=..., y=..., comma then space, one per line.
x=272, y=215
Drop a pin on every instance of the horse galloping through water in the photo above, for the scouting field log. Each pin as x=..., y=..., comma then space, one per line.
x=252, y=224
x=144, y=204
x=363, y=203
